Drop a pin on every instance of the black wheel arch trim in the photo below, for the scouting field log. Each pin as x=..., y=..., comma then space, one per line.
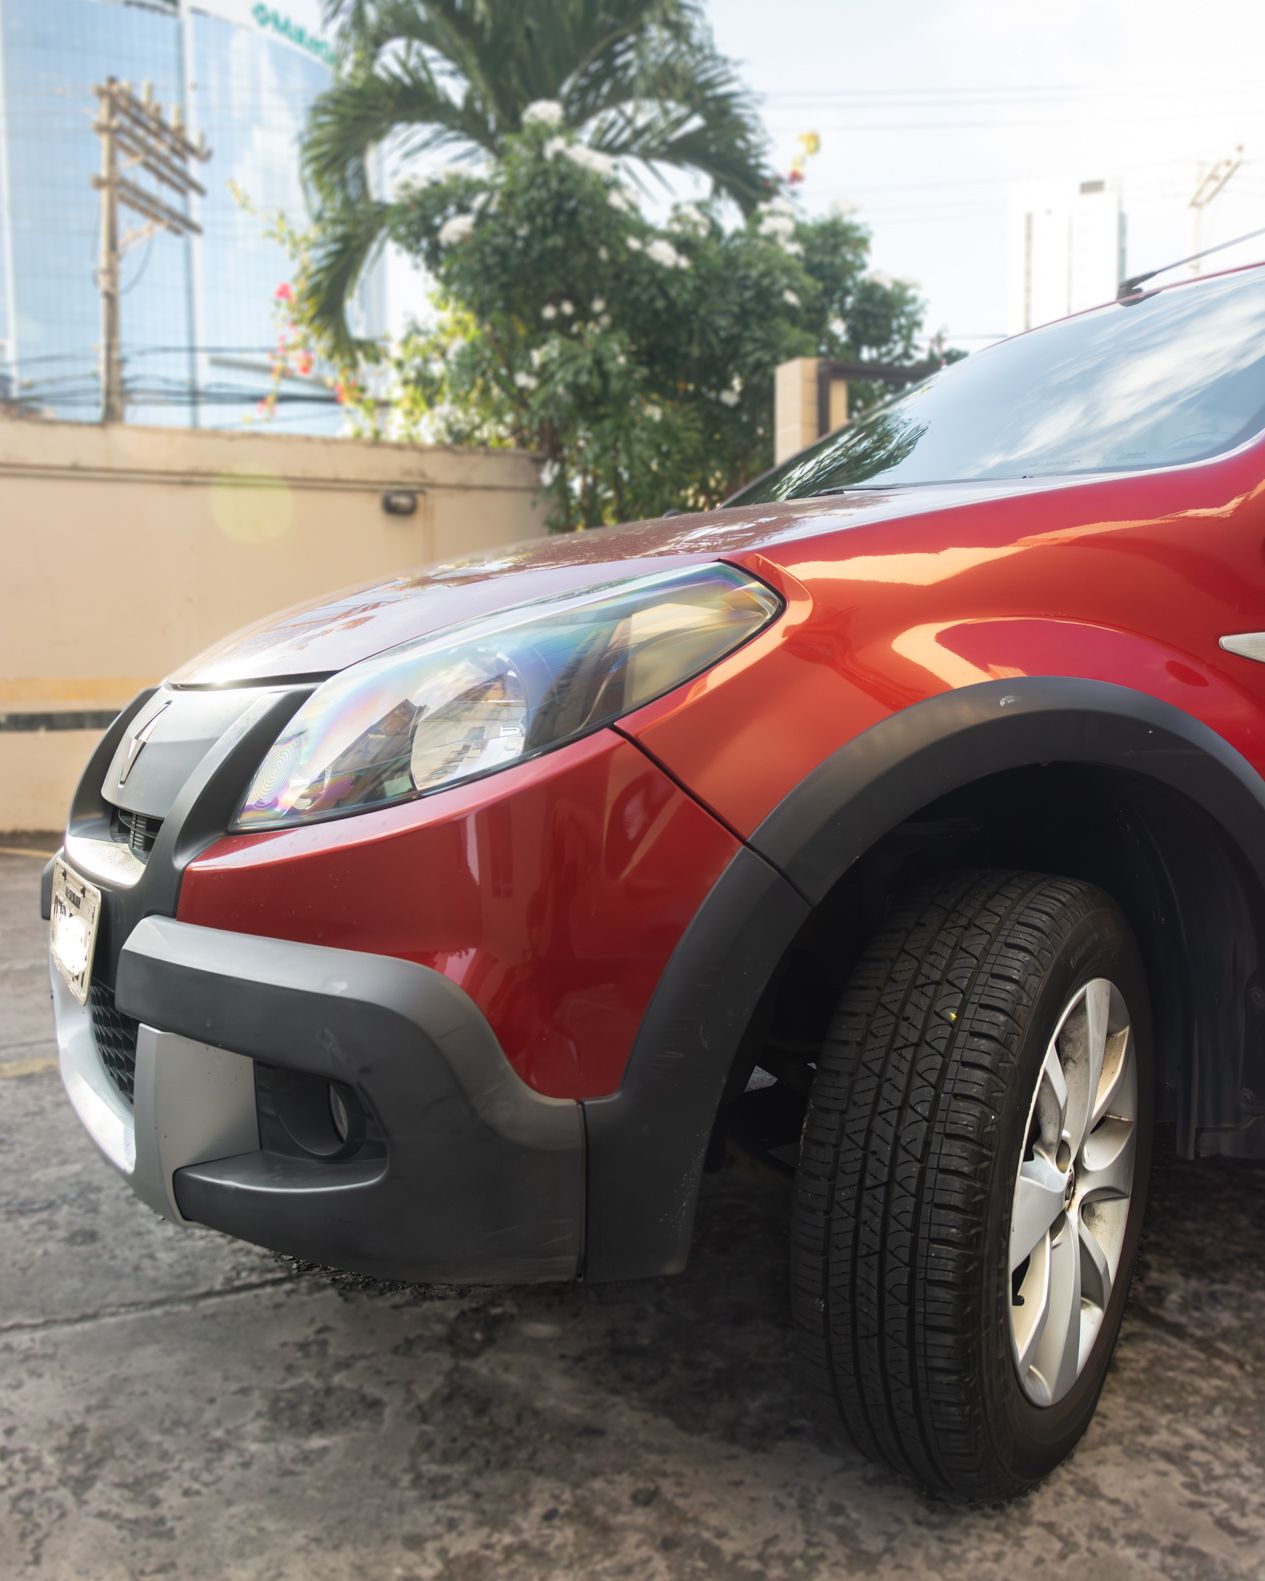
x=947, y=742
x=648, y=1140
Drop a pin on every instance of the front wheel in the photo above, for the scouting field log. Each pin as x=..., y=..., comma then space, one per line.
x=971, y=1180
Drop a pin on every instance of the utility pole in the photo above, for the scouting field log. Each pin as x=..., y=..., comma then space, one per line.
x=1210, y=183
x=135, y=139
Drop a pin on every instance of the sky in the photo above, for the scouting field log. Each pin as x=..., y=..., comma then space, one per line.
x=932, y=113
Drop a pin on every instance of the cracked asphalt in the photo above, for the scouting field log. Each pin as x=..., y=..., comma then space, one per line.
x=174, y=1404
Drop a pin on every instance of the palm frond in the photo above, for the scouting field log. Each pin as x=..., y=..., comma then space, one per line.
x=349, y=239
x=360, y=113
x=687, y=111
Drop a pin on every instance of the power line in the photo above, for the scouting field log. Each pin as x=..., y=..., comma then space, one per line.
x=140, y=273
x=1127, y=118
x=147, y=351
x=1155, y=88
x=194, y=396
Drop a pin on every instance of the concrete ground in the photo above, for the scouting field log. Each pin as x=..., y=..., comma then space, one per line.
x=173, y=1404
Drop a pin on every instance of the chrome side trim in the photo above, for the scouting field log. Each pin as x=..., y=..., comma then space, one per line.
x=1247, y=644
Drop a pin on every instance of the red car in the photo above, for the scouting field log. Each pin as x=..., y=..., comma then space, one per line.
x=904, y=817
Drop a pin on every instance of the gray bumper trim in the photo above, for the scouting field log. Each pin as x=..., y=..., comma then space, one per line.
x=483, y=1178
x=190, y=1103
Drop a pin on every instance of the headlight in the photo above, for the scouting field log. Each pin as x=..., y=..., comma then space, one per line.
x=478, y=697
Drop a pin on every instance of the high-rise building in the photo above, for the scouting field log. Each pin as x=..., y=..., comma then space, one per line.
x=1067, y=251
x=198, y=315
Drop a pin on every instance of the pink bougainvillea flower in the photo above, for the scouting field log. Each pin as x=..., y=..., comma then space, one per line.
x=285, y=292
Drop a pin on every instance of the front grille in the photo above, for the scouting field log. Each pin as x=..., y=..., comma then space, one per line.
x=136, y=829
x=115, y=1036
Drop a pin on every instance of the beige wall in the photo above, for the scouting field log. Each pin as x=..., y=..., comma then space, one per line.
x=127, y=550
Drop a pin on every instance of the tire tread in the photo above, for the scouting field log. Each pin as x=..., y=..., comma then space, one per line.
x=895, y=1168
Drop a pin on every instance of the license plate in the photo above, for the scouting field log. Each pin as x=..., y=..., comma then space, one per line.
x=73, y=928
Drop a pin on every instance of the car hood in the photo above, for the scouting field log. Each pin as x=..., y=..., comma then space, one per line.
x=319, y=638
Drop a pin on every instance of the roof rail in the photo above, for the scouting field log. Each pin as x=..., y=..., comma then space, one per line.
x=1135, y=282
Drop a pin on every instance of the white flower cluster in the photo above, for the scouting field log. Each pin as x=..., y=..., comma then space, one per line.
x=689, y=219
x=778, y=227
x=592, y=159
x=776, y=220
x=620, y=198
x=581, y=154
x=457, y=229
x=663, y=252
x=543, y=112
x=733, y=394
x=659, y=250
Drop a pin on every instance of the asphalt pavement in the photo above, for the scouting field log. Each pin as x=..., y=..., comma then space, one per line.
x=174, y=1404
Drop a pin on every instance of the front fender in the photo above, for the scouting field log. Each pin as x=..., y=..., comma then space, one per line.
x=648, y=1140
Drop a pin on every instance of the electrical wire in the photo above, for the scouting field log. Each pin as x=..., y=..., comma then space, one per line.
x=140, y=271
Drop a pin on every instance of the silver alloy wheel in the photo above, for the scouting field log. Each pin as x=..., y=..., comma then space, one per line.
x=1073, y=1191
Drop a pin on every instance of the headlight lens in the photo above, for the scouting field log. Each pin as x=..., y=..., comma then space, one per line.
x=476, y=698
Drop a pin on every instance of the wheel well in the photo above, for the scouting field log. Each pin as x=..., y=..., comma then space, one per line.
x=1197, y=912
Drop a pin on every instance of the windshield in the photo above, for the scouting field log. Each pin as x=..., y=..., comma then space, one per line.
x=1175, y=376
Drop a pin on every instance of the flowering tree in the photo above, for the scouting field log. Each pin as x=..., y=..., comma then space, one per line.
x=637, y=360
x=641, y=79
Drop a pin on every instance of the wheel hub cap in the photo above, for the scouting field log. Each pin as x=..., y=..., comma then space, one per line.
x=1073, y=1191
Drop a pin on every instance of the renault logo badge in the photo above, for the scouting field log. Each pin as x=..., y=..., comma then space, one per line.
x=136, y=745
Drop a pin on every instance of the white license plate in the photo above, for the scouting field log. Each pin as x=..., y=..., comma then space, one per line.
x=73, y=928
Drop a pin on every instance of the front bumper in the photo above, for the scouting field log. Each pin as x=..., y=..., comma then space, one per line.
x=555, y=903
x=461, y=1171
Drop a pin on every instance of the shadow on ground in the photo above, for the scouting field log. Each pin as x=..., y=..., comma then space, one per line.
x=177, y=1405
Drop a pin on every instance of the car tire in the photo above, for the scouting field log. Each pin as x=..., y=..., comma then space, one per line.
x=932, y=1149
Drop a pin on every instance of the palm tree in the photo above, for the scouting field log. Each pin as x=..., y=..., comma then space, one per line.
x=639, y=79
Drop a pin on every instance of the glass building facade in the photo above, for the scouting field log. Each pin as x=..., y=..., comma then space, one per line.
x=198, y=313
